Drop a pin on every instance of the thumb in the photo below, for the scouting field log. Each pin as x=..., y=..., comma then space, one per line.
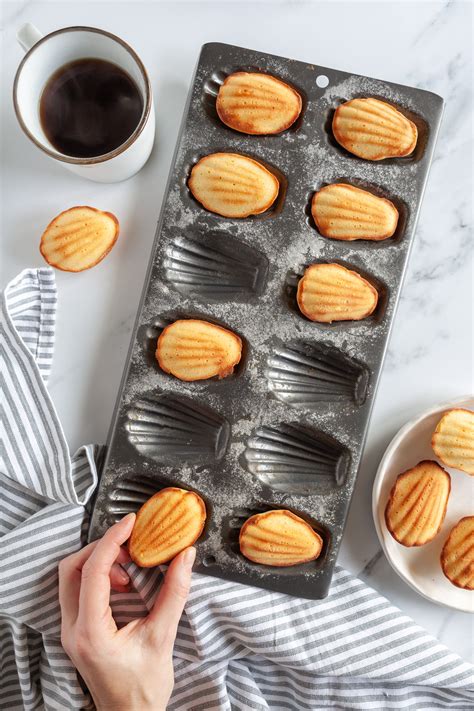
x=172, y=597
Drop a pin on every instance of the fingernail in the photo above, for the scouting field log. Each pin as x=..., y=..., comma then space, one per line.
x=124, y=577
x=189, y=556
x=127, y=518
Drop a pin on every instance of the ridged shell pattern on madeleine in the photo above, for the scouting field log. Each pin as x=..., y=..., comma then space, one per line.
x=233, y=185
x=191, y=349
x=166, y=524
x=417, y=504
x=330, y=292
x=457, y=556
x=256, y=103
x=279, y=538
x=453, y=440
x=345, y=212
x=374, y=130
x=79, y=238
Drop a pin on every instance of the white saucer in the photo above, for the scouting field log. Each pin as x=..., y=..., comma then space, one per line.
x=420, y=567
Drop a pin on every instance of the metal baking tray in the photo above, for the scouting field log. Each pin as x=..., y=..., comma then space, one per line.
x=287, y=429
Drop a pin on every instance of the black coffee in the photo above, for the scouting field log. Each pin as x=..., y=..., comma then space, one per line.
x=89, y=107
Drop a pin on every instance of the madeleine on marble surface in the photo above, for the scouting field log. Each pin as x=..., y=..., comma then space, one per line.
x=191, y=349
x=233, y=185
x=256, y=103
x=166, y=524
x=279, y=538
x=457, y=556
x=79, y=238
x=330, y=292
x=373, y=129
x=453, y=440
x=417, y=504
x=347, y=213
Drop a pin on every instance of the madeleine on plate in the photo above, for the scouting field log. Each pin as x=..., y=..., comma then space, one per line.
x=330, y=292
x=233, y=185
x=256, y=103
x=279, y=538
x=166, y=524
x=79, y=238
x=457, y=556
x=417, y=504
x=347, y=213
x=373, y=129
x=191, y=349
x=453, y=440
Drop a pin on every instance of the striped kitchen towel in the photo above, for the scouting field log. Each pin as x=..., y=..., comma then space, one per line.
x=238, y=648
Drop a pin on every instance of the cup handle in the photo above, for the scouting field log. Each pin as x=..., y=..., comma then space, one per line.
x=28, y=35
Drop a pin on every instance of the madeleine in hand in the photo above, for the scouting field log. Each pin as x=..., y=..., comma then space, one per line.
x=166, y=524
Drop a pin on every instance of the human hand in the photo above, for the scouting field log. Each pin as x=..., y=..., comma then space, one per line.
x=130, y=669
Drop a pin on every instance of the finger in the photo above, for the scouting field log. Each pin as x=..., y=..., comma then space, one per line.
x=172, y=597
x=119, y=577
x=69, y=572
x=95, y=581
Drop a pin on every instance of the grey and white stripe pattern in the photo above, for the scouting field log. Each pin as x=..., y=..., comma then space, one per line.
x=238, y=648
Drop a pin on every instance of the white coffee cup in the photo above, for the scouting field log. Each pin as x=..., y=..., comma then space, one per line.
x=45, y=55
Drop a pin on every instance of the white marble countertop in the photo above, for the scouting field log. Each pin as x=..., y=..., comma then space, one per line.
x=424, y=44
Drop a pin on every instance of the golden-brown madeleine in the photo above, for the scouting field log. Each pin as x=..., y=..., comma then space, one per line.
x=374, y=130
x=453, y=440
x=457, y=556
x=79, y=238
x=417, y=504
x=191, y=349
x=166, y=524
x=279, y=538
x=330, y=292
x=256, y=103
x=348, y=213
x=233, y=185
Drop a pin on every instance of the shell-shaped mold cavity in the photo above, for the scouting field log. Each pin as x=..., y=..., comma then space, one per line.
x=128, y=495
x=215, y=266
x=295, y=460
x=176, y=429
x=307, y=374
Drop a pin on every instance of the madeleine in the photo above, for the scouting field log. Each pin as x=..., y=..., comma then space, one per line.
x=453, y=440
x=417, y=504
x=374, y=130
x=347, y=213
x=330, y=292
x=166, y=524
x=233, y=185
x=191, y=349
x=279, y=538
x=79, y=238
x=457, y=556
x=256, y=103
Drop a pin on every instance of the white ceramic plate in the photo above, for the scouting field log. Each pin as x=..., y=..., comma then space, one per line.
x=420, y=567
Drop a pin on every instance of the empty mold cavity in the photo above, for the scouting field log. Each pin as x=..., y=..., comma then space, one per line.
x=128, y=495
x=421, y=125
x=231, y=531
x=307, y=374
x=274, y=209
x=177, y=429
x=296, y=460
x=376, y=190
x=214, y=82
x=215, y=266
